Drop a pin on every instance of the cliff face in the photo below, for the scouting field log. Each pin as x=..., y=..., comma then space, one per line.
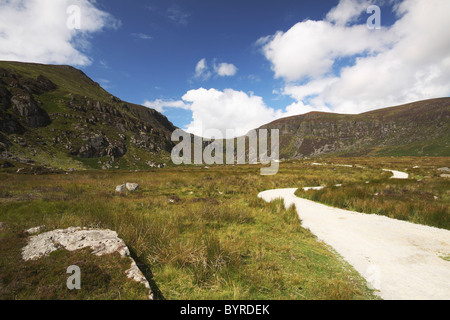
x=56, y=116
x=417, y=129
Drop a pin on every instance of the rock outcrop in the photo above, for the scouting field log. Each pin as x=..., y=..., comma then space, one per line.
x=421, y=128
x=102, y=242
x=63, y=112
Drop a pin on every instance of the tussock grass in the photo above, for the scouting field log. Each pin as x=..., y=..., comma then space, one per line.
x=423, y=199
x=203, y=233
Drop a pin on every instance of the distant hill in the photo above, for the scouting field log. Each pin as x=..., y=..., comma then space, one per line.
x=58, y=117
x=416, y=129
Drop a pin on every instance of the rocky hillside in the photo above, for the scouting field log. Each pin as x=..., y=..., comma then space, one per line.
x=416, y=129
x=57, y=117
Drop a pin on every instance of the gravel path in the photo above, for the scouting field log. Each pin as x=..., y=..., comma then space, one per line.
x=401, y=260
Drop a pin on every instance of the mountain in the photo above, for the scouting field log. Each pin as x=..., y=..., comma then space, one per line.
x=416, y=129
x=56, y=116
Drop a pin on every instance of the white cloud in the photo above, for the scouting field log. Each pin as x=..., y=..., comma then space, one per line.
x=37, y=30
x=348, y=11
x=202, y=70
x=310, y=48
x=228, y=109
x=160, y=105
x=225, y=69
x=406, y=62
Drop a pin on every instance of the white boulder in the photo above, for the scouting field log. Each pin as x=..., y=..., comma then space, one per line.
x=132, y=187
x=122, y=188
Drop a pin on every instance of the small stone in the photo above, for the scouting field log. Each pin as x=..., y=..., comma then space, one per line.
x=445, y=175
x=35, y=230
x=132, y=187
x=122, y=188
x=445, y=169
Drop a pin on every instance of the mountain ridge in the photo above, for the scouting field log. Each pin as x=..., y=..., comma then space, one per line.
x=57, y=117
x=420, y=128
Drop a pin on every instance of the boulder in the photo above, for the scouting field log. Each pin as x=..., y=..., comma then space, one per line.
x=445, y=169
x=122, y=188
x=132, y=187
x=102, y=242
x=445, y=175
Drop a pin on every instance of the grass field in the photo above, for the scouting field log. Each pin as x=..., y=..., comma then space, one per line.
x=202, y=233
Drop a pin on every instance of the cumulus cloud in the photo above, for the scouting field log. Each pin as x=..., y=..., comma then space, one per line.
x=232, y=113
x=225, y=69
x=405, y=62
x=347, y=11
x=204, y=72
x=310, y=48
x=226, y=110
x=39, y=30
x=335, y=65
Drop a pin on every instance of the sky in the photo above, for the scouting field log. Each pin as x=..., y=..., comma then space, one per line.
x=232, y=65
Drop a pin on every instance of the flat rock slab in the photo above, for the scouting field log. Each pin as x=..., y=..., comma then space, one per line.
x=102, y=242
x=397, y=174
x=402, y=260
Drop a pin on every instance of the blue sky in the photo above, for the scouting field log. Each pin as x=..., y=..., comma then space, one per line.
x=215, y=64
x=163, y=67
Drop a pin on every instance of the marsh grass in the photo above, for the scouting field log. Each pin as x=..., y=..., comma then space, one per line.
x=422, y=199
x=203, y=233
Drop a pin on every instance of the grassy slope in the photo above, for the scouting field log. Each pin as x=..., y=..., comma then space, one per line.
x=68, y=79
x=71, y=81
x=202, y=232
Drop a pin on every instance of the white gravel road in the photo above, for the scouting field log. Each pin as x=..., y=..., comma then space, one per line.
x=402, y=260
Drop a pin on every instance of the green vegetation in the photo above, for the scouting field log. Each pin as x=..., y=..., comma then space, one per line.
x=203, y=233
x=423, y=199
